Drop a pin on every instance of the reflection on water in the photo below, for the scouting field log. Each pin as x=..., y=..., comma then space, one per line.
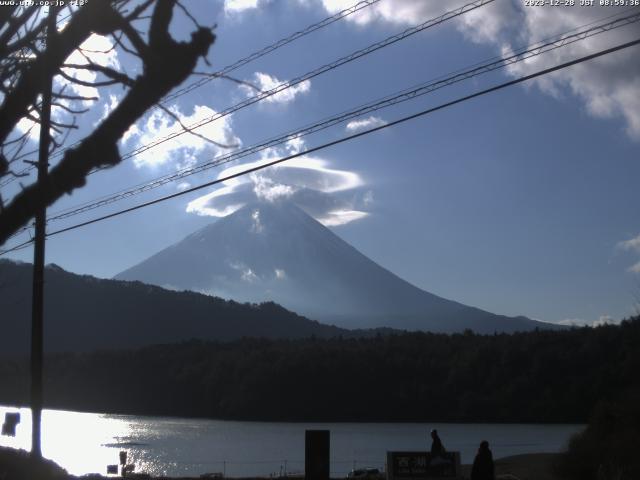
x=73, y=440
x=87, y=442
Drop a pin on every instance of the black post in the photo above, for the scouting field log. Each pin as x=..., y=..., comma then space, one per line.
x=316, y=455
x=37, y=306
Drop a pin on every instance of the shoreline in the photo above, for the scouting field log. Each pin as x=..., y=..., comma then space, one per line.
x=17, y=465
x=161, y=416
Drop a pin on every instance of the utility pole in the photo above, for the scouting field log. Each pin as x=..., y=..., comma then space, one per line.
x=37, y=304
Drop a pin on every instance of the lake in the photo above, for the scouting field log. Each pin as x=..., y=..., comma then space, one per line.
x=87, y=442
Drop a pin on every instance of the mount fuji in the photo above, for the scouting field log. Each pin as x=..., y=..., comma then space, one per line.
x=274, y=251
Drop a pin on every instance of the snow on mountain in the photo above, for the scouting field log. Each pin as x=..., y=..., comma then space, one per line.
x=275, y=251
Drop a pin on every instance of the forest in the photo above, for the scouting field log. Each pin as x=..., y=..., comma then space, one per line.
x=86, y=313
x=539, y=376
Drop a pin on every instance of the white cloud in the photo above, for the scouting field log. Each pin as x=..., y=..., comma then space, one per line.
x=132, y=132
x=256, y=226
x=100, y=50
x=393, y=11
x=578, y=322
x=27, y=125
x=266, y=82
x=266, y=189
x=325, y=193
x=572, y=322
x=183, y=150
x=364, y=124
x=492, y=23
x=246, y=273
x=237, y=6
x=341, y=217
x=248, y=276
x=280, y=274
x=367, y=198
x=216, y=203
x=631, y=245
x=608, y=87
x=301, y=172
x=108, y=107
x=295, y=145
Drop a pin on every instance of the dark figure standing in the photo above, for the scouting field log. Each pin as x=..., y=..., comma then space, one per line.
x=483, y=463
x=437, y=449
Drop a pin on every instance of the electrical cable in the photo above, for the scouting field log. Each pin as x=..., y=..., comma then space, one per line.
x=270, y=48
x=316, y=72
x=409, y=94
x=237, y=64
x=351, y=137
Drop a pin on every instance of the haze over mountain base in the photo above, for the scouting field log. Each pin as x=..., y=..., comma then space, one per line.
x=274, y=251
x=84, y=313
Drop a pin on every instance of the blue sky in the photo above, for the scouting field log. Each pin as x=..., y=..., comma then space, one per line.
x=522, y=202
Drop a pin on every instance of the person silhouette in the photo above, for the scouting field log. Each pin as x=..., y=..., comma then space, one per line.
x=483, y=468
x=438, y=462
x=437, y=449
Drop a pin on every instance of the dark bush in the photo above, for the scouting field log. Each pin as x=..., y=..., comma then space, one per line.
x=608, y=448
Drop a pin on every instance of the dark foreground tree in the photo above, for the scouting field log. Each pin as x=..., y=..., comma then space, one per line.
x=608, y=447
x=139, y=28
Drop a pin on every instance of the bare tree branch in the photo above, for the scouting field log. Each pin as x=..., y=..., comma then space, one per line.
x=135, y=14
x=118, y=41
x=14, y=26
x=77, y=81
x=5, y=14
x=166, y=64
x=24, y=41
x=108, y=72
x=70, y=110
x=63, y=96
x=96, y=16
x=136, y=40
x=188, y=15
x=191, y=131
x=252, y=86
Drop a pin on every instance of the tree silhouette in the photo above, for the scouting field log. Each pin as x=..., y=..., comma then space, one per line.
x=25, y=61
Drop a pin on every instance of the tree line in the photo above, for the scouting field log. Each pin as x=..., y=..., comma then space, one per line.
x=539, y=376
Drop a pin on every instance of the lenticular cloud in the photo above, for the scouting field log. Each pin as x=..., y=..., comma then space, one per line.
x=330, y=195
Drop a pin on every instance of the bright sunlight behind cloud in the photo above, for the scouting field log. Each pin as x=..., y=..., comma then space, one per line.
x=184, y=150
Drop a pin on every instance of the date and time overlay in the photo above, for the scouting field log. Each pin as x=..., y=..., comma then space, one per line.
x=526, y=3
x=581, y=3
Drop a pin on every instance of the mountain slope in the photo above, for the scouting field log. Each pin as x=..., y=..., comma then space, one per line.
x=275, y=251
x=85, y=313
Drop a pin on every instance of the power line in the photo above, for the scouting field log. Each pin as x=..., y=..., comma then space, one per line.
x=409, y=94
x=15, y=248
x=238, y=63
x=349, y=137
x=337, y=63
x=274, y=46
x=316, y=72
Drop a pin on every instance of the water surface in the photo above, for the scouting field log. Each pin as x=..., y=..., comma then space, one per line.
x=87, y=442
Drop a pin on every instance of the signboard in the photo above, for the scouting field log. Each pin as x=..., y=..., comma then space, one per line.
x=11, y=420
x=421, y=465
